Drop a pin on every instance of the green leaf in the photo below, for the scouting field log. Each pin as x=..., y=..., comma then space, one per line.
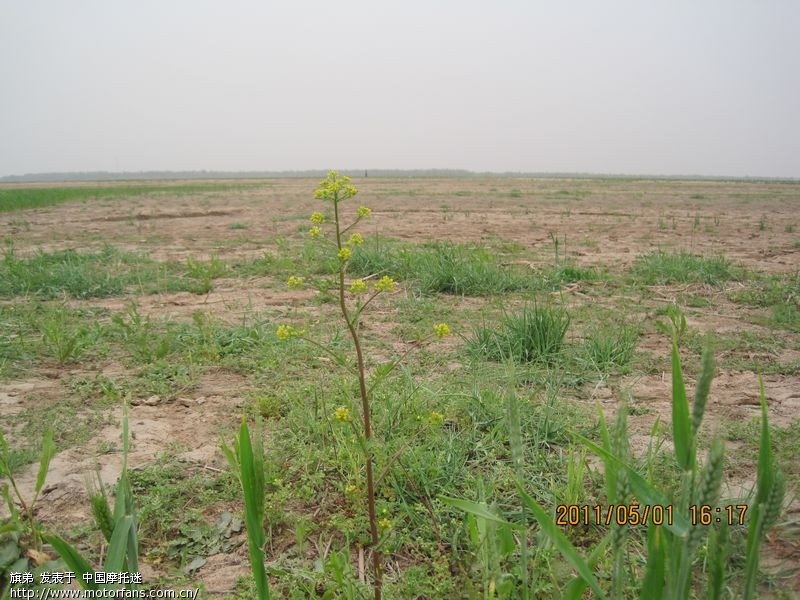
x=703, y=388
x=48, y=451
x=74, y=560
x=115, y=559
x=610, y=470
x=576, y=587
x=681, y=424
x=653, y=582
x=478, y=509
x=765, y=466
x=9, y=553
x=561, y=542
x=753, y=543
x=718, y=558
x=4, y=470
x=645, y=492
x=252, y=478
x=766, y=478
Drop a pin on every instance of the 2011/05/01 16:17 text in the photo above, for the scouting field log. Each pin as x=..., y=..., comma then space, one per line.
x=644, y=514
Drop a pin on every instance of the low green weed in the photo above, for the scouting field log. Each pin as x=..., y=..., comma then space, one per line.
x=203, y=273
x=21, y=535
x=65, y=340
x=48, y=450
x=143, y=338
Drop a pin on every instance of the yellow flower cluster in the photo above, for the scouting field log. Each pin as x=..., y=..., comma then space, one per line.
x=435, y=418
x=344, y=254
x=351, y=489
x=441, y=330
x=364, y=212
x=315, y=231
x=295, y=282
x=385, y=284
x=335, y=188
x=285, y=332
x=317, y=218
x=342, y=414
x=358, y=286
x=385, y=523
x=356, y=239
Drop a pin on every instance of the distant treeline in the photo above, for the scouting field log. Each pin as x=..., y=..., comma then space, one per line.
x=314, y=173
x=183, y=175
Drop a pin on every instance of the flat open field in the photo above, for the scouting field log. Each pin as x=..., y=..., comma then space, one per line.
x=168, y=296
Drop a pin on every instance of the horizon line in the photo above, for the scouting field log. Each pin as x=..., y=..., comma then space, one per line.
x=166, y=175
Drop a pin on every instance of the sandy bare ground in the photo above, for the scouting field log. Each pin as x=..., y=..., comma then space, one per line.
x=605, y=223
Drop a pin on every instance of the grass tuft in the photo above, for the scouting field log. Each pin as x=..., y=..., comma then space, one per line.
x=535, y=334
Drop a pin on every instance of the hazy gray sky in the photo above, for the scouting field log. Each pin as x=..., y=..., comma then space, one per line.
x=641, y=87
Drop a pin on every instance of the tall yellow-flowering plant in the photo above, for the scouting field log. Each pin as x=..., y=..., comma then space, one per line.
x=353, y=299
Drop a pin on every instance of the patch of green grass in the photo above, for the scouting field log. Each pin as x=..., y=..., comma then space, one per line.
x=73, y=422
x=566, y=273
x=463, y=271
x=62, y=337
x=67, y=272
x=99, y=390
x=83, y=275
x=534, y=334
x=779, y=293
x=162, y=379
x=163, y=491
x=610, y=349
x=746, y=350
x=18, y=324
x=697, y=302
x=786, y=316
x=41, y=331
x=203, y=273
x=20, y=198
x=440, y=268
x=660, y=268
x=460, y=445
x=289, y=259
x=784, y=443
x=269, y=264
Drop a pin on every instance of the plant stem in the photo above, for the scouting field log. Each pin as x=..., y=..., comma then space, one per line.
x=362, y=386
